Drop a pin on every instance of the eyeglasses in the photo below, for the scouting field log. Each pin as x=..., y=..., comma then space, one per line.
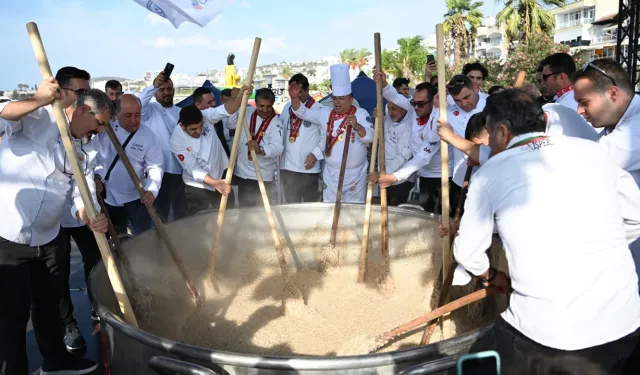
x=76, y=91
x=545, y=76
x=419, y=104
x=586, y=67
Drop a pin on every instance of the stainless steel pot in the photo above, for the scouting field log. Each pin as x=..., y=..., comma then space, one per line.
x=151, y=348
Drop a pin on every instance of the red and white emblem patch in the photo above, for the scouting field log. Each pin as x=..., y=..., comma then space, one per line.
x=181, y=157
x=456, y=113
x=189, y=149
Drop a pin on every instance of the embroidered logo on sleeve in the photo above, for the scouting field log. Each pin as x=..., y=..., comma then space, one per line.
x=181, y=157
x=433, y=143
x=369, y=120
x=427, y=150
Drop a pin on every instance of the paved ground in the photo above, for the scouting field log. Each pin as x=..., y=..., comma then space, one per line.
x=82, y=313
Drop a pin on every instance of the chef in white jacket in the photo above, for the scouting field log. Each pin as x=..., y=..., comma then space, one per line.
x=204, y=162
x=303, y=150
x=425, y=160
x=145, y=154
x=528, y=191
x=161, y=117
x=337, y=121
x=398, y=152
x=266, y=130
x=557, y=70
x=607, y=100
x=35, y=181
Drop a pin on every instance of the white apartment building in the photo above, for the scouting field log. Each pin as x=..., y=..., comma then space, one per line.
x=490, y=43
x=589, y=27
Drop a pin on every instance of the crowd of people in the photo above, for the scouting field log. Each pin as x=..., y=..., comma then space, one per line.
x=555, y=171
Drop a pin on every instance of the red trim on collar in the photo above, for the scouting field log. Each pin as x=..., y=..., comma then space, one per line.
x=564, y=91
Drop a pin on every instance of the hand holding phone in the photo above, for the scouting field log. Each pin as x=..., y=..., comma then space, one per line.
x=483, y=363
x=167, y=70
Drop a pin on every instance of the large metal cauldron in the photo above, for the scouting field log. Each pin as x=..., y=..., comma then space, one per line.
x=137, y=351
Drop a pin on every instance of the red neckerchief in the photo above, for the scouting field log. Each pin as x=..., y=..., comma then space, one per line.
x=564, y=91
x=263, y=127
x=294, y=131
x=331, y=140
x=422, y=122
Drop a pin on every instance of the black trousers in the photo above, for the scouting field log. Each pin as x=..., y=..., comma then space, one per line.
x=171, y=195
x=134, y=213
x=249, y=191
x=432, y=188
x=514, y=349
x=399, y=194
x=28, y=288
x=300, y=187
x=88, y=247
x=202, y=199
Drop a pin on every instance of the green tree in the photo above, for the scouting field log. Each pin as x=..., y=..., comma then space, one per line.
x=408, y=60
x=461, y=23
x=1, y=93
x=348, y=56
x=15, y=95
x=286, y=72
x=362, y=57
x=523, y=19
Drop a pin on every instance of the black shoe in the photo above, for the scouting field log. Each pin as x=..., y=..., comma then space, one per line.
x=73, y=339
x=71, y=366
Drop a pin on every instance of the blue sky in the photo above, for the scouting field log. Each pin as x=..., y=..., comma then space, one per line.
x=121, y=38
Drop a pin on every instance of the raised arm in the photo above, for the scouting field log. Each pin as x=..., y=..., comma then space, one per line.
x=314, y=114
x=234, y=103
x=446, y=132
x=153, y=166
x=13, y=112
x=390, y=93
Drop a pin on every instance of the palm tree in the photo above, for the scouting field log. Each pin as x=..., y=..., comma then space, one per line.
x=409, y=60
x=462, y=19
x=286, y=72
x=523, y=18
x=362, y=57
x=348, y=56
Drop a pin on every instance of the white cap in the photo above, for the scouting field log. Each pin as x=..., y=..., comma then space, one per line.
x=340, y=80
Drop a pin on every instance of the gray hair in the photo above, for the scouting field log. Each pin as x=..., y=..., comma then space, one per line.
x=97, y=100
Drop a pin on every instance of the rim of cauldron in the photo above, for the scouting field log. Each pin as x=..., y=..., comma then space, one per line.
x=435, y=351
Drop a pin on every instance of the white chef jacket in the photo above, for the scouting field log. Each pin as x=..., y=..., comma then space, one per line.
x=146, y=156
x=161, y=121
x=573, y=266
x=309, y=141
x=623, y=143
x=88, y=155
x=271, y=143
x=397, y=145
x=562, y=120
x=355, y=176
x=201, y=156
x=458, y=120
x=568, y=99
x=421, y=137
x=34, y=182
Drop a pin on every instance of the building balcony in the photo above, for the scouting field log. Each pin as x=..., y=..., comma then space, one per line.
x=574, y=23
x=605, y=39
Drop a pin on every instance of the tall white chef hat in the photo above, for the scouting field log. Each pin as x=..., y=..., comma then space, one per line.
x=340, y=80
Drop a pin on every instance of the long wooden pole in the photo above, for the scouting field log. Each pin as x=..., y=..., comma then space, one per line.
x=444, y=147
x=78, y=175
x=384, y=212
x=338, y=204
x=173, y=251
x=233, y=157
x=364, y=246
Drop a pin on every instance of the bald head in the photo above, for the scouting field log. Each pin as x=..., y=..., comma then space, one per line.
x=129, y=112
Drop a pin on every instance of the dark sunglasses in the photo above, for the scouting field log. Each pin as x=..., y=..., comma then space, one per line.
x=419, y=104
x=586, y=67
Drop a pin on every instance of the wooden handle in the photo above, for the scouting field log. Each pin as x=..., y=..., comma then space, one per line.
x=267, y=205
x=379, y=119
x=338, y=205
x=384, y=221
x=444, y=146
x=78, y=175
x=234, y=154
x=520, y=80
x=384, y=339
x=447, y=283
x=173, y=251
x=463, y=194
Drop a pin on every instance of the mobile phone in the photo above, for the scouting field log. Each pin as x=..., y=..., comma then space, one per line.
x=430, y=58
x=167, y=70
x=483, y=363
